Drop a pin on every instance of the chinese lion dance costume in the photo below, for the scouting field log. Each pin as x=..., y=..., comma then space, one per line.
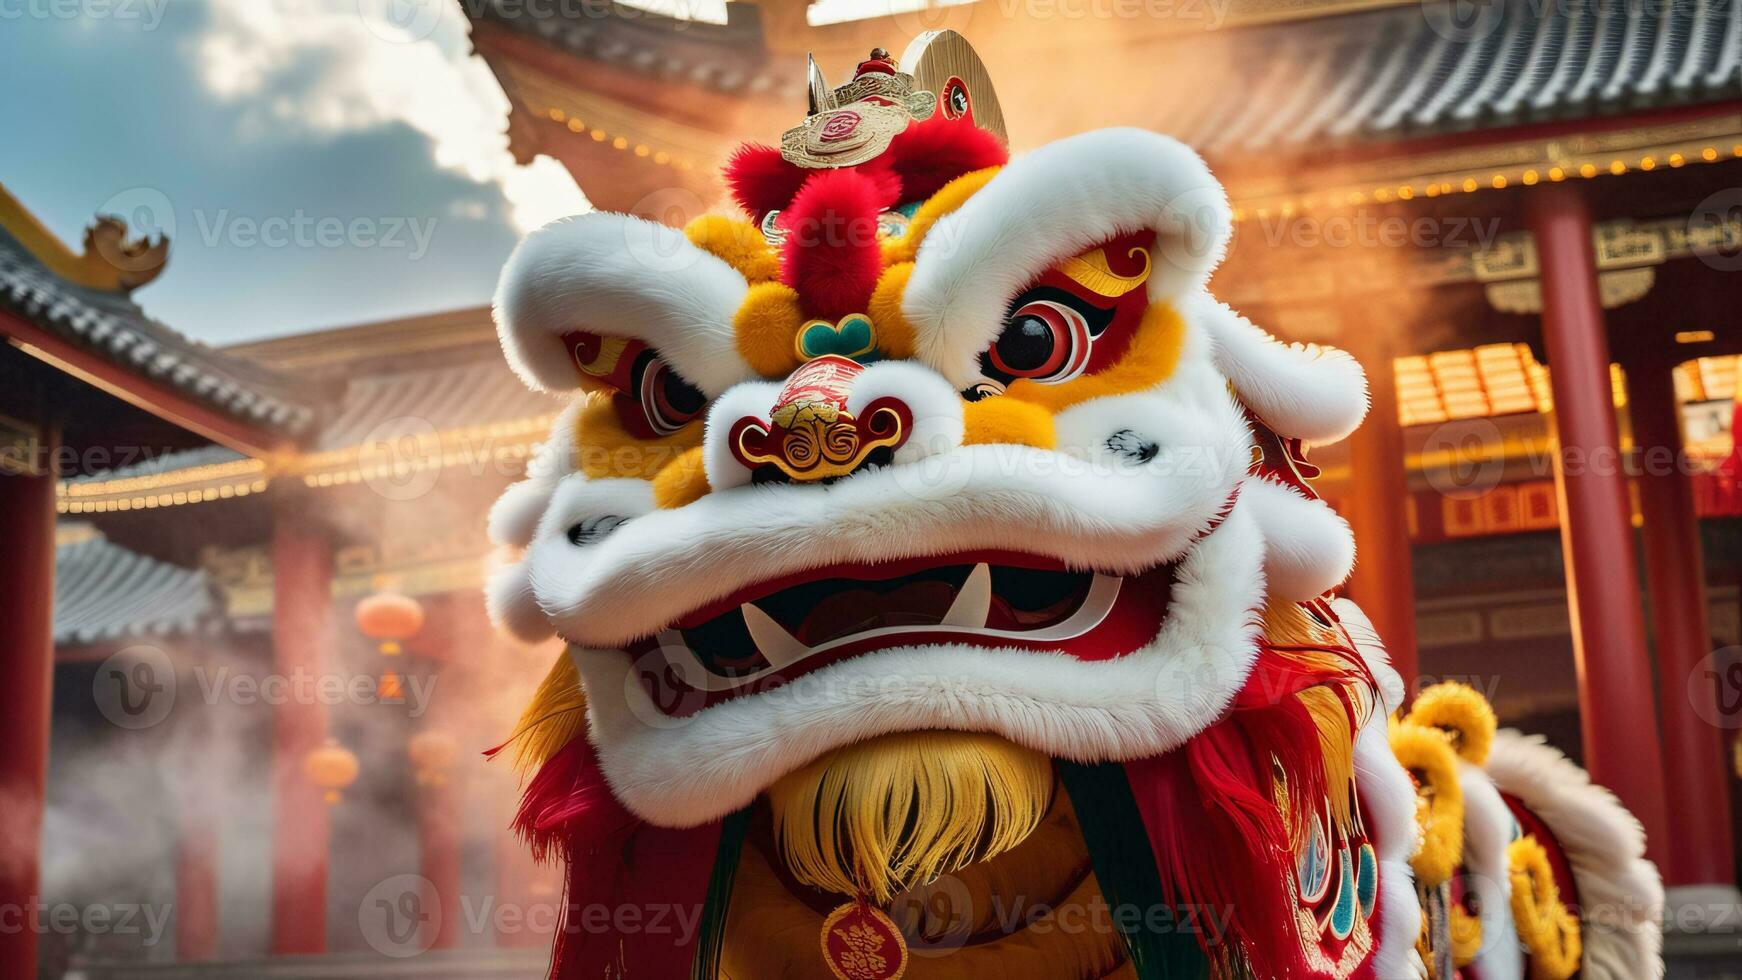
x=944, y=596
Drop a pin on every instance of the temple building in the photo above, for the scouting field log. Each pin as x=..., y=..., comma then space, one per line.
x=1523, y=222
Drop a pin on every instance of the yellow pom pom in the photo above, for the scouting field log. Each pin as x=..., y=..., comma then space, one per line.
x=1463, y=714
x=1548, y=930
x=766, y=324
x=1425, y=754
x=739, y=244
x=1008, y=421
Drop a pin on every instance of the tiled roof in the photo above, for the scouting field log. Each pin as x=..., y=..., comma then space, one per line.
x=103, y=592
x=477, y=392
x=727, y=57
x=113, y=326
x=1400, y=72
x=1413, y=70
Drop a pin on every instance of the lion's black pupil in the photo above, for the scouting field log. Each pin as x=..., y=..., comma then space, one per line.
x=1026, y=344
x=681, y=396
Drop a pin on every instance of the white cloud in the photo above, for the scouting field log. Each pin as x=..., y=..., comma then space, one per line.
x=336, y=66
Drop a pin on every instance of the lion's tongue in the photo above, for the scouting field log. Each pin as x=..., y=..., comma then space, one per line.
x=857, y=610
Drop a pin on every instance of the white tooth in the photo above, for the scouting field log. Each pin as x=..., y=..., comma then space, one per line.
x=777, y=645
x=973, y=601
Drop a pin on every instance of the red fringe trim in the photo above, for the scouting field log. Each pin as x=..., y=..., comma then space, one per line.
x=1215, y=823
x=633, y=893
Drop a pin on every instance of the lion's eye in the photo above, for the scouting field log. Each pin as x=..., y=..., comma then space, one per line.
x=669, y=401
x=1044, y=340
x=666, y=402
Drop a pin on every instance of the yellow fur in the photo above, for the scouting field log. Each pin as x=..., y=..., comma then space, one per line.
x=683, y=482
x=882, y=816
x=1007, y=421
x=557, y=714
x=765, y=325
x=739, y=244
x=605, y=449
x=1337, y=746
x=894, y=333
x=1466, y=931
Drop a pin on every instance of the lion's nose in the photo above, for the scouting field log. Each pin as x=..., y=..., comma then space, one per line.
x=815, y=430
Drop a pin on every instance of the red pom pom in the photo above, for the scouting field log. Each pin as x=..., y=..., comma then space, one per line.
x=831, y=255
x=761, y=180
x=927, y=155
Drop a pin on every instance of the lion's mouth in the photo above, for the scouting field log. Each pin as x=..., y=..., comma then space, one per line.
x=774, y=632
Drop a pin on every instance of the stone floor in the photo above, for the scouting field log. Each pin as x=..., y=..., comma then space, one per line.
x=1689, y=958
x=483, y=964
x=1714, y=957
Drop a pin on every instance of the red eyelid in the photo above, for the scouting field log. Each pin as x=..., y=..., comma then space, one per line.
x=601, y=360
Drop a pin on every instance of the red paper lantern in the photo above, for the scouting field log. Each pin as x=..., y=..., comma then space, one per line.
x=332, y=767
x=389, y=619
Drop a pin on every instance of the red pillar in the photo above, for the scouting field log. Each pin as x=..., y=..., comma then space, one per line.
x=196, y=889
x=302, y=636
x=1383, y=583
x=1616, y=708
x=1694, y=768
x=26, y=674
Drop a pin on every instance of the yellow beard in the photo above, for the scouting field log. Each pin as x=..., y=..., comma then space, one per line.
x=883, y=816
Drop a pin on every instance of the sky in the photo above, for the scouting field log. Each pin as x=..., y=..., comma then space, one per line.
x=315, y=163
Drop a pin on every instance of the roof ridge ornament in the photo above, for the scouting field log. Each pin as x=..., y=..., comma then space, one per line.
x=110, y=263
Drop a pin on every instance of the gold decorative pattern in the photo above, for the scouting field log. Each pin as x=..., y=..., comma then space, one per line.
x=1091, y=271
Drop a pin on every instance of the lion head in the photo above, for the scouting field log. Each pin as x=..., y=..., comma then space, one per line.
x=938, y=441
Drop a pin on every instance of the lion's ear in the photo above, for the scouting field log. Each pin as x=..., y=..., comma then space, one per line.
x=1300, y=391
x=1299, y=394
x=613, y=276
